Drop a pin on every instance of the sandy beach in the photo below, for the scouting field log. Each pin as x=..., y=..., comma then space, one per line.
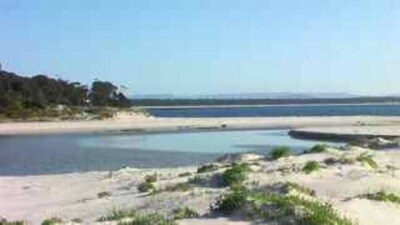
x=126, y=122
x=70, y=196
x=76, y=195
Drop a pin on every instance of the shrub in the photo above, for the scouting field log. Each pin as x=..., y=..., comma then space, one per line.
x=317, y=149
x=185, y=174
x=279, y=152
x=103, y=194
x=207, y=168
x=150, y=178
x=277, y=208
x=235, y=175
x=288, y=209
x=231, y=201
x=382, y=196
x=77, y=220
x=368, y=160
x=117, y=214
x=52, y=221
x=15, y=222
x=300, y=188
x=148, y=219
x=185, y=186
x=184, y=213
x=146, y=187
x=311, y=166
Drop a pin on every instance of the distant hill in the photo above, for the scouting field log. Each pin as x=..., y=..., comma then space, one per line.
x=267, y=95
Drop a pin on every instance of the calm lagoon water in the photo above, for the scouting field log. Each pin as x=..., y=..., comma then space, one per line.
x=282, y=110
x=49, y=154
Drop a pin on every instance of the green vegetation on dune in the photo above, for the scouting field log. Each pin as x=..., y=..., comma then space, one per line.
x=117, y=214
x=311, y=166
x=184, y=213
x=236, y=174
x=382, y=196
x=52, y=221
x=279, y=152
x=365, y=158
x=132, y=217
x=278, y=208
x=14, y=222
x=319, y=148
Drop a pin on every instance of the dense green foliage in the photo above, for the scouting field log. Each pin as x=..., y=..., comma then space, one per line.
x=231, y=201
x=311, y=166
x=279, y=152
x=23, y=95
x=235, y=175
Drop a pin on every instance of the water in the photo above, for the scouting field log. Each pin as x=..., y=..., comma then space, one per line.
x=50, y=154
x=283, y=110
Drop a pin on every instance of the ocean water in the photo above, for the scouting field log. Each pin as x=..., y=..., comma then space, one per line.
x=281, y=110
x=62, y=153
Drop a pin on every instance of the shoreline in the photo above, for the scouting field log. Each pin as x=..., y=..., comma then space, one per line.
x=265, y=105
x=143, y=124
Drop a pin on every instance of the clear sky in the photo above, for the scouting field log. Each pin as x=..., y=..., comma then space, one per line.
x=208, y=46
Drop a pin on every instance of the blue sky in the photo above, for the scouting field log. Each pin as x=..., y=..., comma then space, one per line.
x=208, y=46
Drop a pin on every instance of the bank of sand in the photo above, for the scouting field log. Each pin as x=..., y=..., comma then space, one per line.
x=137, y=122
x=75, y=195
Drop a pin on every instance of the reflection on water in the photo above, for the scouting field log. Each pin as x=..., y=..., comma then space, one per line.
x=43, y=154
x=200, y=142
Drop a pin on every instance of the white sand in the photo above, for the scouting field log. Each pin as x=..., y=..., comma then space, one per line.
x=75, y=195
x=140, y=122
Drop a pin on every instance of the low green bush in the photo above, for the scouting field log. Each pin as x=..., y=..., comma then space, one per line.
x=311, y=166
x=289, y=209
x=117, y=214
x=103, y=194
x=207, y=168
x=184, y=213
x=279, y=152
x=185, y=174
x=146, y=187
x=368, y=160
x=298, y=187
x=231, y=201
x=278, y=208
x=52, y=221
x=148, y=219
x=382, y=196
x=183, y=187
x=150, y=178
x=317, y=149
x=235, y=175
x=14, y=222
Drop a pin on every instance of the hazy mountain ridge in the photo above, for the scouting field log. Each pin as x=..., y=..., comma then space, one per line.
x=271, y=95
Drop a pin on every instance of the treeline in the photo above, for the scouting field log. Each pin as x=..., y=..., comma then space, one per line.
x=39, y=92
x=215, y=102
